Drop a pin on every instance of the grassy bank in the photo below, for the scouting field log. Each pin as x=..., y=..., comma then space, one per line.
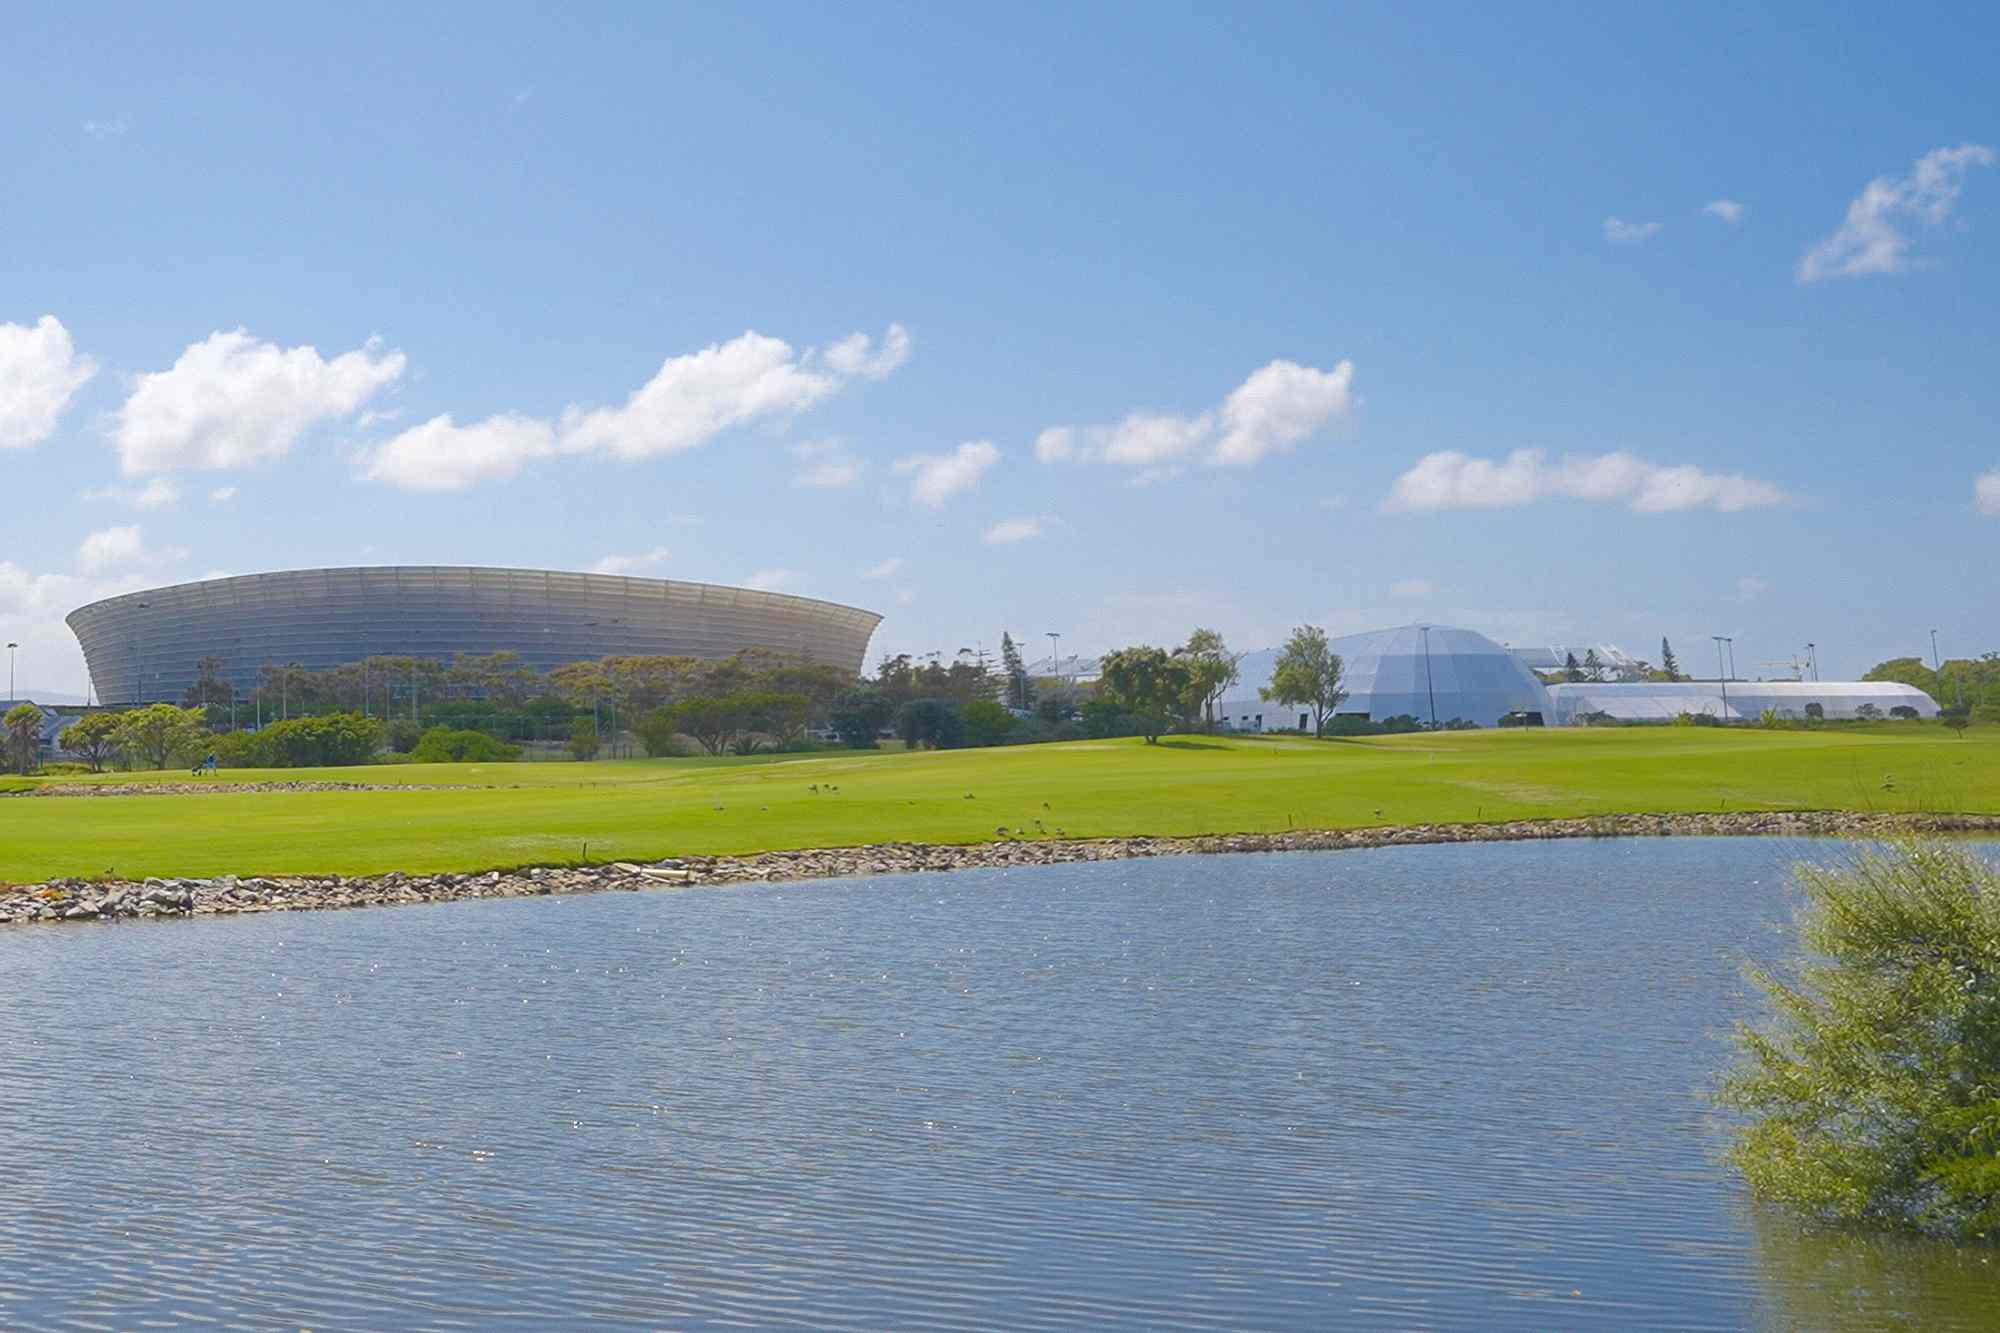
x=499, y=815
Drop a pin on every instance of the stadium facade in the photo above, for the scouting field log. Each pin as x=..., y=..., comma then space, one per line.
x=1443, y=673
x=145, y=647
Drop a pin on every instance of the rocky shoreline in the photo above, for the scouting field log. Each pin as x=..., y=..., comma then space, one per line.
x=71, y=900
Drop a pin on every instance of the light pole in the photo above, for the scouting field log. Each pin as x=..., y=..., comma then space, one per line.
x=1721, y=639
x=1936, y=665
x=138, y=679
x=1429, y=689
x=10, y=671
x=1812, y=658
x=1055, y=661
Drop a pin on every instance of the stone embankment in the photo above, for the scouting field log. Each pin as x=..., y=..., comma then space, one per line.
x=63, y=790
x=107, y=900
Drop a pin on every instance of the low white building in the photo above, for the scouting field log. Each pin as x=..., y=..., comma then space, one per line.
x=1735, y=700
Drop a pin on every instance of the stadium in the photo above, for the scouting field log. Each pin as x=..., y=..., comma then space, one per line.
x=145, y=647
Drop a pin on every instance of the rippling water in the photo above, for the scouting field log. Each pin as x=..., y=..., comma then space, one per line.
x=1418, y=1087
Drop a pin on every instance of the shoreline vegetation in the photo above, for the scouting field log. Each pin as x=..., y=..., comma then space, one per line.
x=71, y=900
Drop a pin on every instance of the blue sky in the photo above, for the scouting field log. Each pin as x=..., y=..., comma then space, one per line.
x=1166, y=315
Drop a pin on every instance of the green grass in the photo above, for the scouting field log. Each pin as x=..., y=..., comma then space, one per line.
x=501, y=815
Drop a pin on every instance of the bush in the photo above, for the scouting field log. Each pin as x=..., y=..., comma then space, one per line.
x=441, y=746
x=656, y=733
x=1874, y=1094
x=986, y=723
x=937, y=723
x=859, y=715
x=1904, y=713
x=1103, y=719
x=314, y=742
x=583, y=742
x=402, y=735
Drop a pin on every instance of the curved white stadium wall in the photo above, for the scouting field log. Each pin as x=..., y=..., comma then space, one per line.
x=146, y=646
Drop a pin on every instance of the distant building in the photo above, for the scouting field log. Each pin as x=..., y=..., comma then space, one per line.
x=1459, y=674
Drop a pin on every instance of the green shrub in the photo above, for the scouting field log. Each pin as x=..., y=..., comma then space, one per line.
x=859, y=715
x=1873, y=1095
x=442, y=746
x=986, y=723
x=329, y=741
x=583, y=742
x=402, y=735
x=938, y=723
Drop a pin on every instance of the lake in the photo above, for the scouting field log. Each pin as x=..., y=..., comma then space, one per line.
x=1450, y=1086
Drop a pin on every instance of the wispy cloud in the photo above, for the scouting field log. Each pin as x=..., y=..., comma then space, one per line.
x=632, y=564
x=1411, y=588
x=222, y=495
x=1620, y=232
x=1749, y=589
x=1727, y=209
x=158, y=493
x=826, y=464
x=123, y=548
x=1014, y=530
x=935, y=478
x=1452, y=480
x=114, y=127
x=887, y=569
x=770, y=580
x=1986, y=492
x=1872, y=237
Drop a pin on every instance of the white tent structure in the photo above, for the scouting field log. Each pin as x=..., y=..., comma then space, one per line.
x=1426, y=672
x=1663, y=701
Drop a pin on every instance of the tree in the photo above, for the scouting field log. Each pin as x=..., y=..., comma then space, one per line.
x=209, y=690
x=1871, y=1092
x=712, y=721
x=774, y=712
x=1668, y=662
x=1149, y=684
x=1212, y=669
x=1867, y=712
x=583, y=742
x=1958, y=717
x=158, y=734
x=91, y=736
x=1016, y=667
x=859, y=715
x=937, y=723
x=986, y=723
x=1904, y=713
x=1593, y=666
x=1572, y=671
x=1308, y=675
x=23, y=725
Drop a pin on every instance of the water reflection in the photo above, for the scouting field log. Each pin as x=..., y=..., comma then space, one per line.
x=1829, y=1278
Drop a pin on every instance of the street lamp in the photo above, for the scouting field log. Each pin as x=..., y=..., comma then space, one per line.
x=1429, y=690
x=1721, y=639
x=1936, y=665
x=10, y=671
x=1812, y=659
x=1055, y=660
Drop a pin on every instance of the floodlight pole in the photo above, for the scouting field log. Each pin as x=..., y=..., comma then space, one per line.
x=1055, y=658
x=1812, y=658
x=1721, y=639
x=10, y=671
x=1429, y=690
x=1936, y=665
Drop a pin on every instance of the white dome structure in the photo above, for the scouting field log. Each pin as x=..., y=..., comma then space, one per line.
x=1425, y=672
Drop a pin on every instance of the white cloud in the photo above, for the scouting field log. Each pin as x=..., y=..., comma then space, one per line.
x=770, y=580
x=632, y=564
x=113, y=128
x=938, y=477
x=1869, y=239
x=1728, y=210
x=855, y=354
x=39, y=372
x=442, y=456
x=827, y=464
x=32, y=606
x=1986, y=491
x=1749, y=589
x=1621, y=232
x=1411, y=588
x=887, y=569
x=231, y=400
x=750, y=378
x=222, y=495
x=1452, y=480
x=1279, y=405
x=122, y=548
x=155, y=494
x=1013, y=530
